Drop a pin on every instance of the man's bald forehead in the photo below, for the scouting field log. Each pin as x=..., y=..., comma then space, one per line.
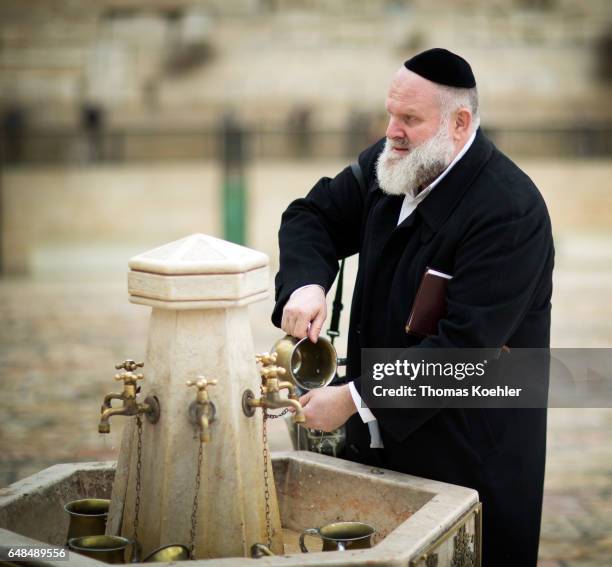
x=407, y=81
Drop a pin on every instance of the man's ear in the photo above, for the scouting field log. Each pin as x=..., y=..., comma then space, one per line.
x=462, y=123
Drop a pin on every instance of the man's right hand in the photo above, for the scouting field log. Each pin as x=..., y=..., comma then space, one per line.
x=305, y=313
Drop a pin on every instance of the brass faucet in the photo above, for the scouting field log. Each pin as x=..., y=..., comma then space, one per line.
x=202, y=411
x=130, y=366
x=272, y=386
x=150, y=407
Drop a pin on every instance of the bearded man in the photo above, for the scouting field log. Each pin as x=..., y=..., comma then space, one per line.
x=436, y=194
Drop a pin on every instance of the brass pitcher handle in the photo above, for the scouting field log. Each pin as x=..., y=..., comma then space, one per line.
x=309, y=531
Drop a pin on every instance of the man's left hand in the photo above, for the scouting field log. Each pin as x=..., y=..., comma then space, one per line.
x=328, y=408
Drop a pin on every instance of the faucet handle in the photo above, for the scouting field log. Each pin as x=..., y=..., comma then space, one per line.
x=272, y=372
x=202, y=383
x=129, y=377
x=265, y=358
x=129, y=365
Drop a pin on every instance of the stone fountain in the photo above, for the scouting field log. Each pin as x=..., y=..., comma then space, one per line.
x=194, y=468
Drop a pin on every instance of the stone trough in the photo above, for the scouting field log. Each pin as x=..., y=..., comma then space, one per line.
x=419, y=522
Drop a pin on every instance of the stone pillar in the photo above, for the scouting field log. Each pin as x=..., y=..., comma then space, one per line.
x=199, y=288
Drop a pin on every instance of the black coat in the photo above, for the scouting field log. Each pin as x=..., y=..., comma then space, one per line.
x=487, y=225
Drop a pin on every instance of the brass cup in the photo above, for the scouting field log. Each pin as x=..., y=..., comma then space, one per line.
x=107, y=548
x=341, y=536
x=172, y=552
x=308, y=365
x=87, y=517
x=259, y=550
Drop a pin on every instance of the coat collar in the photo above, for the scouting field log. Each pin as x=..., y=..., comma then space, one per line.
x=439, y=204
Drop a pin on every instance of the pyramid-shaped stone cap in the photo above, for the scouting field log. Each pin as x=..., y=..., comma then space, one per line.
x=199, y=254
x=198, y=272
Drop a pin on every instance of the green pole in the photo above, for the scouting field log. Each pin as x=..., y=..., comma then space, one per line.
x=234, y=149
x=234, y=208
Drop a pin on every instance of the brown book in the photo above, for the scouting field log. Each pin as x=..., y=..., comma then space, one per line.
x=429, y=304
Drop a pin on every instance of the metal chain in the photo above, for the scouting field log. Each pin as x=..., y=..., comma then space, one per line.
x=138, y=474
x=194, y=509
x=277, y=415
x=266, y=480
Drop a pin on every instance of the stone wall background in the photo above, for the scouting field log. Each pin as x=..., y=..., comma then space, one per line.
x=170, y=62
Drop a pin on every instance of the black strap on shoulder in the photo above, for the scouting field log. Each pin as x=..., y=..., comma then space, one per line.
x=356, y=169
x=337, y=306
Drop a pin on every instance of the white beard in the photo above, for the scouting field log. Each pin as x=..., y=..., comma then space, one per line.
x=405, y=174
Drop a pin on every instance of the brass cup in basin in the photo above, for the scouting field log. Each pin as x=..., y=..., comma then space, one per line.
x=87, y=517
x=172, y=552
x=308, y=365
x=107, y=548
x=259, y=550
x=341, y=536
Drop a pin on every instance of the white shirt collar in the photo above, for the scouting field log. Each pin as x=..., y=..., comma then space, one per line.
x=410, y=203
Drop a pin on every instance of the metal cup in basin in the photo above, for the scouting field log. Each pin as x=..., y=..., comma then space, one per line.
x=166, y=553
x=107, y=548
x=341, y=536
x=87, y=517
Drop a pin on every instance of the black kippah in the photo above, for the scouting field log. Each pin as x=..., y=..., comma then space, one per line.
x=443, y=67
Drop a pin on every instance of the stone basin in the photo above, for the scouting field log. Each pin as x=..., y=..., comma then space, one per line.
x=419, y=522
